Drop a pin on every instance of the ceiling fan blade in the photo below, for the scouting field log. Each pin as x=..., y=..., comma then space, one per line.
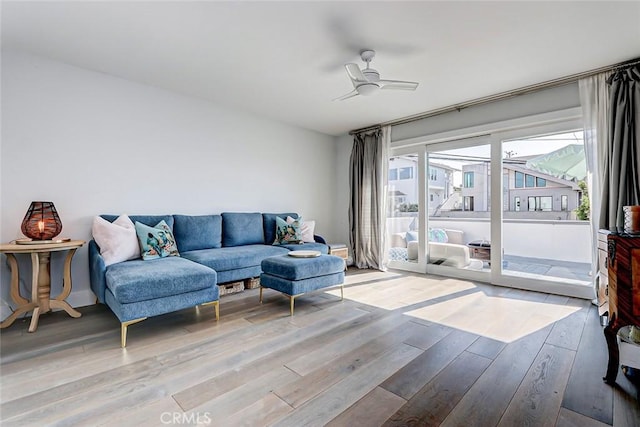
x=355, y=73
x=397, y=84
x=347, y=96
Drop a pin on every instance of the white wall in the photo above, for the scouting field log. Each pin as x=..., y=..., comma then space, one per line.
x=93, y=144
x=344, y=144
x=552, y=99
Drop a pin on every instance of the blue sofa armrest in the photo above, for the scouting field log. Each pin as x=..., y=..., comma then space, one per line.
x=319, y=239
x=97, y=271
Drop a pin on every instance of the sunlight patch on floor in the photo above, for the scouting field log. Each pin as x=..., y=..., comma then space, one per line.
x=399, y=291
x=455, y=303
x=499, y=318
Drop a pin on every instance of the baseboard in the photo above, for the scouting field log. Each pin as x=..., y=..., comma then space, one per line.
x=76, y=299
x=81, y=298
x=5, y=309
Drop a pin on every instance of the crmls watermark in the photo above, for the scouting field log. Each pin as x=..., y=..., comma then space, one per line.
x=198, y=418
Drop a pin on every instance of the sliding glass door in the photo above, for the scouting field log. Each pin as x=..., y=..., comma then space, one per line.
x=508, y=208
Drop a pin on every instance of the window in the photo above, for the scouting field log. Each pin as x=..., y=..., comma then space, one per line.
x=467, y=203
x=433, y=174
x=546, y=203
x=431, y=197
x=406, y=173
x=516, y=203
x=519, y=180
x=540, y=203
x=393, y=174
x=468, y=180
x=541, y=182
x=564, y=202
x=529, y=181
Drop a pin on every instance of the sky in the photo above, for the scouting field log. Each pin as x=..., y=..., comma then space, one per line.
x=523, y=147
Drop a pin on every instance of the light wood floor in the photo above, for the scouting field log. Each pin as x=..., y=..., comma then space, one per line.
x=400, y=350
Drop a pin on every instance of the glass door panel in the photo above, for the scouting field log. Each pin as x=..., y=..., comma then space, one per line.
x=459, y=207
x=545, y=226
x=403, y=211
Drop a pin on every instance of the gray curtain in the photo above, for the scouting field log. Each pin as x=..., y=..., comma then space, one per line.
x=368, y=182
x=621, y=184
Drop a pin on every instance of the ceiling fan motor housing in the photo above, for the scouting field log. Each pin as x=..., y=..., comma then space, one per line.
x=371, y=74
x=367, y=89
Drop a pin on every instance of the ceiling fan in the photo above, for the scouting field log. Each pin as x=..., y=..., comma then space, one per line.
x=367, y=82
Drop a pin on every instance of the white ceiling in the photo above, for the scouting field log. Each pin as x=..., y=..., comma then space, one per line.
x=284, y=60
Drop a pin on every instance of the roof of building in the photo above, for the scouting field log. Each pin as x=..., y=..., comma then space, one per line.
x=567, y=163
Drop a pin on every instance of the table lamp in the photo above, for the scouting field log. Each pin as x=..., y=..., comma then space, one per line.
x=41, y=221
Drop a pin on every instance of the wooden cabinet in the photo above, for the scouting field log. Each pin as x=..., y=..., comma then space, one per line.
x=603, y=275
x=623, y=253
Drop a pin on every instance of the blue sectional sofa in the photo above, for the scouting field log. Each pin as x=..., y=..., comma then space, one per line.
x=213, y=249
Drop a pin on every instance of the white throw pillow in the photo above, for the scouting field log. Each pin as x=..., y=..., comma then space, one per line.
x=117, y=240
x=307, y=229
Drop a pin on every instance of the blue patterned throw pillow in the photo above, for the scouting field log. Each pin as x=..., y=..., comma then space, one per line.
x=288, y=232
x=438, y=235
x=156, y=242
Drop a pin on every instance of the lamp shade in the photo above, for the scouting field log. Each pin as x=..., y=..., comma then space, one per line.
x=41, y=221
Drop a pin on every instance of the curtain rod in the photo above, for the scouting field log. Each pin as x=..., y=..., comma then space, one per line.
x=502, y=95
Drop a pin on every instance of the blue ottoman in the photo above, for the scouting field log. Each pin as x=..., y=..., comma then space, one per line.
x=296, y=276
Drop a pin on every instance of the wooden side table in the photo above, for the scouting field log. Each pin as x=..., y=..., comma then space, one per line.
x=41, y=301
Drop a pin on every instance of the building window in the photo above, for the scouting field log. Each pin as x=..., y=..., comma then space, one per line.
x=433, y=174
x=467, y=203
x=540, y=203
x=468, y=180
x=529, y=181
x=405, y=173
x=393, y=174
x=541, y=182
x=519, y=180
x=564, y=202
x=431, y=197
x=516, y=203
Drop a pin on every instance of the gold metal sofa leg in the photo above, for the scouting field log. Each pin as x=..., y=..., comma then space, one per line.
x=216, y=306
x=123, y=330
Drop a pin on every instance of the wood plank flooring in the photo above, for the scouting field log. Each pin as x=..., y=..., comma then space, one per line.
x=402, y=349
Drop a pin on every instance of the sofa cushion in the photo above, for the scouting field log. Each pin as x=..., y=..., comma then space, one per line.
x=269, y=220
x=150, y=220
x=117, y=240
x=139, y=280
x=154, y=307
x=411, y=236
x=297, y=287
x=291, y=268
x=156, y=242
x=438, y=235
x=197, y=232
x=234, y=257
x=242, y=228
x=288, y=232
x=308, y=229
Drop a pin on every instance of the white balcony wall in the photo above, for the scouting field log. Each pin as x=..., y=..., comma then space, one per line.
x=558, y=240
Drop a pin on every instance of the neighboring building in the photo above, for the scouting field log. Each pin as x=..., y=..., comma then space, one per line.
x=526, y=188
x=403, y=183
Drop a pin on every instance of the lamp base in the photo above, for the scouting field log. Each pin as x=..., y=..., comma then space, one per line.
x=28, y=241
